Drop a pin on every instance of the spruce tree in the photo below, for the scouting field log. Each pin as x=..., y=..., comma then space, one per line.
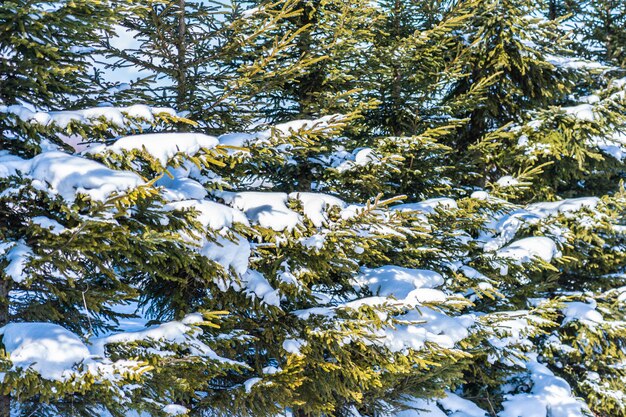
x=601, y=25
x=43, y=64
x=506, y=48
x=46, y=49
x=338, y=35
x=135, y=204
x=149, y=267
x=73, y=232
x=208, y=59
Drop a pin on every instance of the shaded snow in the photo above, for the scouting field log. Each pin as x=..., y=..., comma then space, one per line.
x=550, y=396
x=17, y=254
x=267, y=209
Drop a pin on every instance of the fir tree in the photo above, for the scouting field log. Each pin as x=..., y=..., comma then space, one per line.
x=208, y=59
x=507, y=50
x=275, y=271
x=46, y=49
x=601, y=24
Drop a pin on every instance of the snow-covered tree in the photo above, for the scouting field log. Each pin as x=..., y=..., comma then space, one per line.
x=389, y=254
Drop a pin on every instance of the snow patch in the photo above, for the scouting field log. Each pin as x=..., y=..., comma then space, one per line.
x=162, y=146
x=401, y=283
x=524, y=250
x=68, y=175
x=428, y=206
x=269, y=210
x=17, y=254
x=315, y=205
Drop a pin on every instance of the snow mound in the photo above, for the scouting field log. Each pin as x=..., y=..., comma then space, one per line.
x=228, y=253
x=315, y=205
x=115, y=115
x=584, y=312
x=428, y=206
x=162, y=146
x=180, y=332
x=46, y=223
x=507, y=181
x=563, y=206
x=550, y=396
x=507, y=225
x=343, y=161
x=236, y=139
x=427, y=325
x=293, y=346
x=257, y=286
x=213, y=215
x=460, y=407
x=401, y=283
x=175, y=410
x=323, y=125
x=17, y=254
x=68, y=175
x=49, y=349
x=524, y=250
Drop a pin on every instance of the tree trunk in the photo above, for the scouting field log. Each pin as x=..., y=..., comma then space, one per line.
x=299, y=413
x=5, y=406
x=5, y=400
x=181, y=76
x=396, y=123
x=552, y=11
x=312, y=80
x=609, y=32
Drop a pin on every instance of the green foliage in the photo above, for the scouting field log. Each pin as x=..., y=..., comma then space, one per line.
x=46, y=49
x=263, y=296
x=207, y=59
x=601, y=23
